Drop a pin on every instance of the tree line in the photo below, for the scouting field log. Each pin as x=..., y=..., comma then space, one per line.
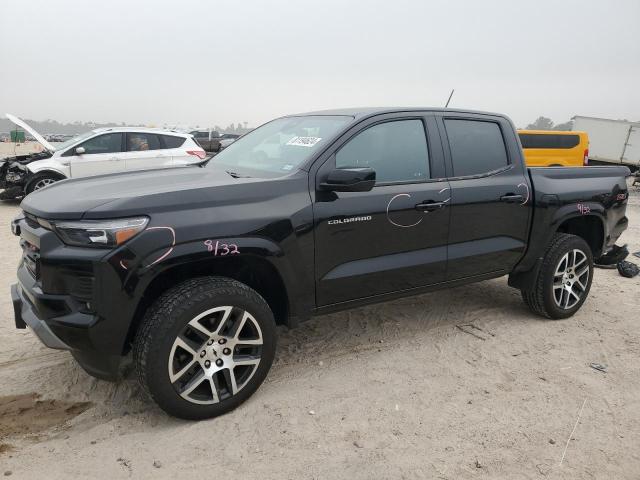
x=544, y=123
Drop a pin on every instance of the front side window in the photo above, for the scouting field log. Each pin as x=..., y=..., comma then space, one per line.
x=140, y=142
x=396, y=150
x=279, y=147
x=107, y=143
x=477, y=147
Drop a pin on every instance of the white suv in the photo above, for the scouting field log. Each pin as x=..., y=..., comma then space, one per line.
x=109, y=150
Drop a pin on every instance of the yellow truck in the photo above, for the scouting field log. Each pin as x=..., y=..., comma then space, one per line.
x=554, y=148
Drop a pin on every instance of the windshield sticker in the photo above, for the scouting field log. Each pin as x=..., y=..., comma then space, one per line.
x=287, y=167
x=304, y=141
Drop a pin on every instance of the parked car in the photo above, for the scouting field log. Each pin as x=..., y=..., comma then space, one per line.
x=227, y=139
x=192, y=269
x=613, y=142
x=100, y=151
x=554, y=148
x=209, y=140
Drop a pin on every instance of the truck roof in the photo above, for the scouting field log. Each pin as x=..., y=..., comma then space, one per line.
x=360, y=112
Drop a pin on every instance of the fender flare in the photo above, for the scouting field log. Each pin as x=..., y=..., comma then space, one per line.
x=524, y=278
x=161, y=255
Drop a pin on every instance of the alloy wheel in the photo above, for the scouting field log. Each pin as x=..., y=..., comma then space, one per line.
x=43, y=183
x=215, y=355
x=570, y=279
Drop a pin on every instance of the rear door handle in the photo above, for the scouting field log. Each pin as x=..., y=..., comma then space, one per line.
x=512, y=198
x=430, y=206
x=114, y=159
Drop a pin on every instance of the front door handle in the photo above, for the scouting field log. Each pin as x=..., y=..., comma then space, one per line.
x=114, y=159
x=430, y=206
x=512, y=198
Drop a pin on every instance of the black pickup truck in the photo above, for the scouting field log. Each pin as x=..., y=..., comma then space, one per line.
x=191, y=269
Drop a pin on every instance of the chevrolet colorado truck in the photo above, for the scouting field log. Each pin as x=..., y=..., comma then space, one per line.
x=187, y=272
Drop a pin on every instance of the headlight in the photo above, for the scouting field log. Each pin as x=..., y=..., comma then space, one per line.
x=99, y=233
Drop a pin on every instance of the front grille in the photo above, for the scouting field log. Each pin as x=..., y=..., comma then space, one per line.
x=31, y=220
x=31, y=258
x=82, y=288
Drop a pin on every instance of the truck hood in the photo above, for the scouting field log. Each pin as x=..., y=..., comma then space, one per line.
x=21, y=123
x=137, y=193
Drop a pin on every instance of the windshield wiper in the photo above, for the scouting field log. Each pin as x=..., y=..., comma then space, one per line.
x=237, y=175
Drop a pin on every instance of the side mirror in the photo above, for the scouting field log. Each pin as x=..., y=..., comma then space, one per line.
x=349, y=180
x=80, y=150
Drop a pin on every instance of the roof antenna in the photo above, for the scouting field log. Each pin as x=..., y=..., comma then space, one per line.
x=449, y=99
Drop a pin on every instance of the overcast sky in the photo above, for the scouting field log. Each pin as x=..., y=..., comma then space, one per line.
x=216, y=62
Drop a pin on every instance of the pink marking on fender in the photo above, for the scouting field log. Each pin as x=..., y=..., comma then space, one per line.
x=584, y=209
x=168, y=252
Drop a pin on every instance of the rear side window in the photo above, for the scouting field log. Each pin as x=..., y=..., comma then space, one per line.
x=477, y=147
x=397, y=151
x=107, y=143
x=139, y=142
x=171, y=141
x=551, y=140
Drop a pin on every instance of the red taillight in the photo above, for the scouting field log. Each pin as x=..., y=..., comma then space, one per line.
x=586, y=157
x=198, y=153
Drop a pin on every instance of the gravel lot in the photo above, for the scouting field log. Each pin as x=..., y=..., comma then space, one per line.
x=389, y=391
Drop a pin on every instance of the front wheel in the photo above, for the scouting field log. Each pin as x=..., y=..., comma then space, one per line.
x=205, y=347
x=564, y=278
x=41, y=180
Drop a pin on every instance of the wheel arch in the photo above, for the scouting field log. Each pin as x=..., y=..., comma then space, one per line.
x=254, y=271
x=588, y=227
x=40, y=173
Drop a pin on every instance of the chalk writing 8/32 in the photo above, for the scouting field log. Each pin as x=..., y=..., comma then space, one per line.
x=221, y=249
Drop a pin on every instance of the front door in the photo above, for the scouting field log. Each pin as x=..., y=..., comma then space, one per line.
x=393, y=237
x=102, y=154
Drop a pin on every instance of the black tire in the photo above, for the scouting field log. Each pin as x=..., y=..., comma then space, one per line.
x=542, y=299
x=39, y=179
x=170, y=315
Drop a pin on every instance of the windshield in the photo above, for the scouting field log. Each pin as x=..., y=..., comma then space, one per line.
x=71, y=141
x=278, y=147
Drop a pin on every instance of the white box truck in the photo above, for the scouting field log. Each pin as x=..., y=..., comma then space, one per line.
x=611, y=141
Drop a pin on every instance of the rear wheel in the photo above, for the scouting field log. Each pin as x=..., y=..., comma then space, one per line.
x=564, y=278
x=204, y=347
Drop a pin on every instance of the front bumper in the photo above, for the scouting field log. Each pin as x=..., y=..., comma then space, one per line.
x=58, y=324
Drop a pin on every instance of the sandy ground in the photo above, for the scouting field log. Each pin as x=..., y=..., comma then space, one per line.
x=388, y=391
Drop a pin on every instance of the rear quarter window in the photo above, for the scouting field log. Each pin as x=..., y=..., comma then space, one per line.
x=171, y=141
x=551, y=140
x=477, y=147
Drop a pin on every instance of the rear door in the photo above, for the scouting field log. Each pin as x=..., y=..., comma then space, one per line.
x=174, y=147
x=144, y=151
x=490, y=195
x=102, y=154
x=384, y=240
